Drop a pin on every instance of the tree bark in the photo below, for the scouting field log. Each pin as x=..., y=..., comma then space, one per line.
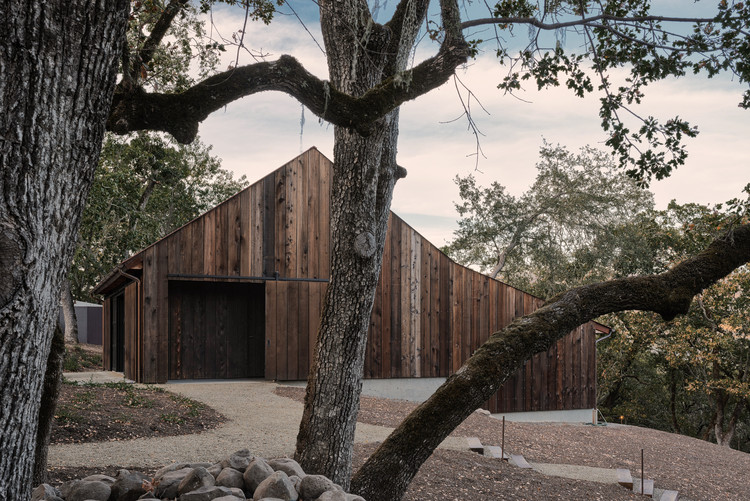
x=365, y=173
x=401, y=455
x=69, y=313
x=52, y=380
x=57, y=75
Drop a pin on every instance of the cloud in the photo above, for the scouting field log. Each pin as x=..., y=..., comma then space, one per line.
x=261, y=132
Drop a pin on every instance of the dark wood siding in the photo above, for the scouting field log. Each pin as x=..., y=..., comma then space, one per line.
x=429, y=315
x=216, y=330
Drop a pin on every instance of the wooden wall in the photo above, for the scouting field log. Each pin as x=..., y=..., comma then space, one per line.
x=429, y=315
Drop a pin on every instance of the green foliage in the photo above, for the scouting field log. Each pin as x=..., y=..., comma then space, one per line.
x=561, y=233
x=699, y=364
x=77, y=359
x=145, y=187
x=624, y=36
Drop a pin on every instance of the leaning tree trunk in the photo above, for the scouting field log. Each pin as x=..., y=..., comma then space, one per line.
x=387, y=473
x=57, y=74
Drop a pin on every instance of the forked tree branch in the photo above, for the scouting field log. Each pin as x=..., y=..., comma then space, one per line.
x=180, y=114
x=399, y=458
x=584, y=21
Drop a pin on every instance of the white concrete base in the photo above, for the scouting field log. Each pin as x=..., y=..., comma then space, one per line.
x=573, y=416
x=419, y=389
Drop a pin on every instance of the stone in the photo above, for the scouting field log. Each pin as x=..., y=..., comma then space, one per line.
x=170, y=468
x=256, y=472
x=45, y=492
x=197, y=478
x=128, y=486
x=277, y=485
x=100, y=478
x=295, y=480
x=208, y=493
x=88, y=490
x=215, y=469
x=229, y=477
x=335, y=495
x=169, y=482
x=148, y=495
x=288, y=466
x=312, y=486
x=239, y=460
x=228, y=498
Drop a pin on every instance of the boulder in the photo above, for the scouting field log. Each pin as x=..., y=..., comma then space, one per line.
x=197, y=478
x=229, y=477
x=169, y=468
x=148, y=495
x=215, y=469
x=208, y=493
x=239, y=460
x=277, y=485
x=100, y=478
x=338, y=495
x=88, y=490
x=45, y=492
x=256, y=472
x=169, y=482
x=288, y=466
x=312, y=486
x=128, y=486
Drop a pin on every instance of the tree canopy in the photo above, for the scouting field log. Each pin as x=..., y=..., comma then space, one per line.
x=370, y=74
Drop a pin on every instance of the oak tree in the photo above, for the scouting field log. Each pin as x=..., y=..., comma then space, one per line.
x=53, y=119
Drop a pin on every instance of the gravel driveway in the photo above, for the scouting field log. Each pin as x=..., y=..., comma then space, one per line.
x=257, y=419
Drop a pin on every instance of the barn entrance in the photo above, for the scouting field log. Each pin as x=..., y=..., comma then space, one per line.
x=216, y=330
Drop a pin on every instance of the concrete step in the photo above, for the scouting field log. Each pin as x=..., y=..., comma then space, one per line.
x=494, y=451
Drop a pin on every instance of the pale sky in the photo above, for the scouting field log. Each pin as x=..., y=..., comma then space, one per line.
x=258, y=134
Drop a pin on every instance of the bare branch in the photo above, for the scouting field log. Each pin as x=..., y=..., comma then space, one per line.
x=584, y=21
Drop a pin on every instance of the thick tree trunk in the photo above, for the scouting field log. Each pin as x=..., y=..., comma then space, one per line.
x=388, y=472
x=52, y=380
x=364, y=176
x=69, y=313
x=57, y=71
x=361, y=54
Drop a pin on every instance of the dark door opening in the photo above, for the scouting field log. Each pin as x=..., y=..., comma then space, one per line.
x=216, y=330
x=117, y=333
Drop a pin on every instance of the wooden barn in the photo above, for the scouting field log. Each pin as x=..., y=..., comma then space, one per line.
x=237, y=293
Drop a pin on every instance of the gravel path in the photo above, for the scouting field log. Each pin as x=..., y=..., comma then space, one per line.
x=257, y=418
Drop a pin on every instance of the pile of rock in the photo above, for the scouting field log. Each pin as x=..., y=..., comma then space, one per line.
x=238, y=477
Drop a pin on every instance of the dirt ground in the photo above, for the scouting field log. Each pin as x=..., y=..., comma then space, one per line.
x=699, y=470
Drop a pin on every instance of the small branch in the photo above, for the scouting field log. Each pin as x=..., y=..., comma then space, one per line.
x=160, y=29
x=584, y=21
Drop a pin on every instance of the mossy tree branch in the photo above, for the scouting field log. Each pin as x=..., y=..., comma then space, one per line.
x=669, y=294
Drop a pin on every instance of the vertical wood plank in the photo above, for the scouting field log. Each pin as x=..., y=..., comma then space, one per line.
x=271, y=301
x=222, y=239
x=395, y=293
x=256, y=239
x=150, y=316
x=292, y=330
x=303, y=218
x=196, y=247
x=269, y=225
x=291, y=220
x=325, y=169
x=209, y=249
x=424, y=308
x=303, y=364
x=106, y=333
x=446, y=315
x=246, y=229
x=282, y=334
x=415, y=313
x=435, y=312
x=386, y=280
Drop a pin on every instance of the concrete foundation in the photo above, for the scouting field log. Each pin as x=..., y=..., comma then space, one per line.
x=420, y=389
x=572, y=416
